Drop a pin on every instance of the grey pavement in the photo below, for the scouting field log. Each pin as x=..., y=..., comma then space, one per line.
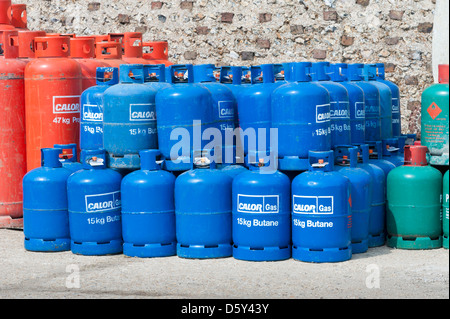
x=380, y=273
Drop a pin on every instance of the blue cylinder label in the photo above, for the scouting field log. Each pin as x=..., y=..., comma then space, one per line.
x=92, y=123
x=226, y=109
x=360, y=112
x=395, y=111
x=313, y=204
x=103, y=202
x=142, y=112
x=395, y=105
x=93, y=113
x=372, y=107
x=322, y=113
x=258, y=203
x=339, y=110
x=340, y=116
x=103, y=219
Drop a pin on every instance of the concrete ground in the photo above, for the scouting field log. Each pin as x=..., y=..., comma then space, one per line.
x=380, y=273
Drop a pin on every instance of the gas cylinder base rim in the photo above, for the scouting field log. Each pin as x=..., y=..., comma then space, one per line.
x=11, y=223
x=128, y=161
x=41, y=245
x=263, y=254
x=149, y=250
x=377, y=240
x=204, y=252
x=360, y=247
x=445, y=242
x=414, y=243
x=96, y=249
x=326, y=255
x=292, y=163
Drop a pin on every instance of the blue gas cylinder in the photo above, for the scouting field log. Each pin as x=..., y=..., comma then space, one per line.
x=261, y=213
x=232, y=77
x=45, y=215
x=371, y=102
x=385, y=100
x=393, y=150
x=148, y=210
x=396, y=114
x=222, y=109
x=346, y=160
x=301, y=114
x=95, y=206
x=377, y=219
x=155, y=76
x=203, y=211
x=339, y=103
x=338, y=73
x=184, y=113
x=254, y=108
x=376, y=158
x=69, y=157
x=321, y=213
x=91, y=119
x=129, y=119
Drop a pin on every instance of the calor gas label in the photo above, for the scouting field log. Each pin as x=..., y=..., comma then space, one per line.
x=226, y=109
x=258, y=203
x=339, y=110
x=359, y=110
x=103, y=202
x=395, y=105
x=313, y=204
x=142, y=112
x=322, y=113
x=93, y=113
x=66, y=104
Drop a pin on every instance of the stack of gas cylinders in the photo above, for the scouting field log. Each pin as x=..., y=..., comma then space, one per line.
x=301, y=160
x=42, y=76
x=151, y=182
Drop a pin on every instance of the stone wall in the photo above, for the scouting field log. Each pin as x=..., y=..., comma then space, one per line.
x=249, y=32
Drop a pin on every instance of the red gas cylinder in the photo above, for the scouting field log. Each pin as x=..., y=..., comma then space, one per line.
x=158, y=52
x=5, y=15
x=82, y=50
x=131, y=47
x=110, y=53
x=12, y=131
x=26, y=37
x=53, y=85
x=19, y=16
x=26, y=43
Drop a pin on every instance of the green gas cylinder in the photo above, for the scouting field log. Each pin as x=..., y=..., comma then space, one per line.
x=434, y=122
x=414, y=192
x=445, y=210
